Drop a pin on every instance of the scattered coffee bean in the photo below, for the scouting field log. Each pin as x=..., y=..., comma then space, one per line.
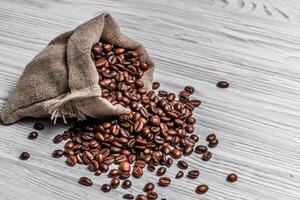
x=57, y=139
x=179, y=175
x=206, y=156
x=85, y=181
x=141, y=197
x=137, y=172
x=57, y=153
x=164, y=181
x=33, y=135
x=232, y=177
x=182, y=164
x=128, y=196
x=124, y=166
x=189, y=89
x=161, y=171
x=169, y=162
x=38, y=126
x=105, y=188
x=201, y=189
x=71, y=160
x=114, y=173
x=24, y=156
x=126, y=184
x=200, y=149
x=211, y=137
x=213, y=143
x=193, y=174
x=98, y=172
x=152, y=195
x=176, y=154
x=115, y=182
x=222, y=84
x=151, y=168
x=155, y=85
x=149, y=187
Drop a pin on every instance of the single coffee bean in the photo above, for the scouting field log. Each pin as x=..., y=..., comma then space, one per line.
x=193, y=174
x=176, y=154
x=103, y=167
x=155, y=85
x=124, y=175
x=151, y=167
x=38, y=126
x=137, y=172
x=98, y=172
x=211, y=137
x=149, y=187
x=200, y=149
x=179, y=175
x=189, y=89
x=57, y=139
x=164, y=181
x=206, y=156
x=105, y=188
x=161, y=171
x=152, y=195
x=169, y=162
x=24, y=156
x=182, y=164
x=124, y=166
x=195, y=103
x=126, y=184
x=71, y=160
x=128, y=196
x=33, y=135
x=141, y=197
x=57, y=153
x=93, y=165
x=114, y=173
x=115, y=182
x=213, y=143
x=222, y=84
x=85, y=181
x=201, y=189
x=194, y=137
x=232, y=177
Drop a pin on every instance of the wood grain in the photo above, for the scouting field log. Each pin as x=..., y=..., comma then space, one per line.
x=253, y=44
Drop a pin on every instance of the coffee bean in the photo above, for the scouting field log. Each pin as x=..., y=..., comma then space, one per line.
x=141, y=197
x=126, y=184
x=195, y=103
x=98, y=172
x=152, y=195
x=151, y=167
x=176, y=154
x=124, y=175
x=93, y=165
x=211, y=137
x=114, y=173
x=213, y=143
x=155, y=85
x=85, y=181
x=128, y=196
x=201, y=189
x=161, y=171
x=164, y=181
x=57, y=153
x=57, y=139
x=115, y=182
x=155, y=121
x=232, y=177
x=149, y=187
x=33, y=135
x=189, y=89
x=124, y=166
x=105, y=188
x=38, y=126
x=206, y=156
x=179, y=175
x=182, y=164
x=194, y=137
x=71, y=160
x=193, y=174
x=103, y=167
x=24, y=156
x=200, y=149
x=137, y=172
x=222, y=84
x=169, y=162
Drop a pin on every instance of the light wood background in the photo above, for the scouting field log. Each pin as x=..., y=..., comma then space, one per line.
x=253, y=44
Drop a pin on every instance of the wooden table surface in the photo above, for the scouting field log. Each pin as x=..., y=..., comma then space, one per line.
x=254, y=45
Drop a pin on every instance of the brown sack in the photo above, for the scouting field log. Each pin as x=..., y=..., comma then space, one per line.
x=62, y=80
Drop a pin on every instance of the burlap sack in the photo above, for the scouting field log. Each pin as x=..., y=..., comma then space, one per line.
x=62, y=80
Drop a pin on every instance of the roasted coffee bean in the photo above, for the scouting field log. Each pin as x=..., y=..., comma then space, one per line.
x=200, y=149
x=201, y=189
x=182, y=164
x=152, y=195
x=213, y=143
x=137, y=172
x=124, y=166
x=161, y=171
x=33, y=135
x=57, y=153
x=206, y=156
x=155, y=121
x=124, y=175
x=85, y=181
x=128, y=196
x=169, y=162
x=93, y=165
x=114, y=173
x=103, y=167
x=211, y=137
x=140, y=163
x=176, y=154
x=38, y=126
x=179, y=175
x=151, y=167
x=105, y=188
x=188, y=150
x=155, y=85
x=141, y=197
x=193, y=174
x=164, y=181
x=71, y=160
x=189, y=89
x=115, y=182
x=149, y=187
x=195, y=103
x=24, y=156
x=57, y=139
x=222, y=84
x=126, y=184
x=98, y=172
x=232, y=177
